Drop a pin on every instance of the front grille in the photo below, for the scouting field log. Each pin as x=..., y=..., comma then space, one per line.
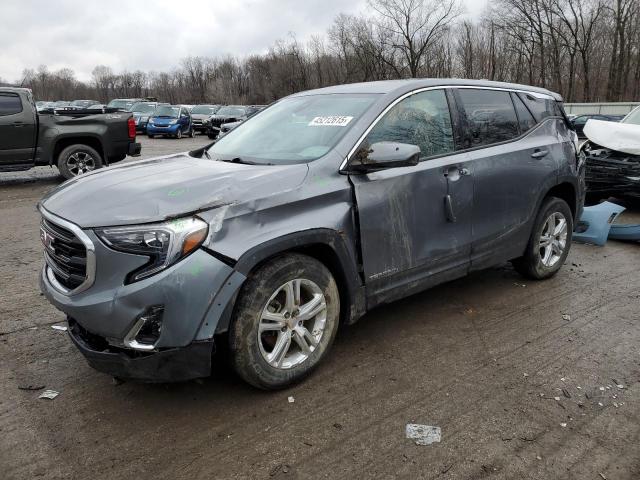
x=216, y=122
x=65, y=254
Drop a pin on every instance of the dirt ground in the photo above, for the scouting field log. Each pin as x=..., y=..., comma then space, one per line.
x=522, y=378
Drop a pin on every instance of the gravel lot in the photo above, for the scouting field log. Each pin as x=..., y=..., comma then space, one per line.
x=514, y=386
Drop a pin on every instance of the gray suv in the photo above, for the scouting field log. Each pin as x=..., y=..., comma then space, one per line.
x=311, y=213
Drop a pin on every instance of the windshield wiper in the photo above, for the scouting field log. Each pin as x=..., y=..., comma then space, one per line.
x=239, y=160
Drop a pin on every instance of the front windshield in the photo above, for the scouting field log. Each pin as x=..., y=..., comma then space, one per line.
x=204, y=110
x=143, y=108
x=294, y=130
x=633, y=118
x=231, y=111
x=165, y=111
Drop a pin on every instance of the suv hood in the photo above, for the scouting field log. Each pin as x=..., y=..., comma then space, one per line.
x=166, y=187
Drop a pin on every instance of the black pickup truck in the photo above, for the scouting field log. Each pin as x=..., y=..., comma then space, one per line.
x=76, y=141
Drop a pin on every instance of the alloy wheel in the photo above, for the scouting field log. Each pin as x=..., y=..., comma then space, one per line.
x=292, y=323
x=553, y=239
x=80, y=162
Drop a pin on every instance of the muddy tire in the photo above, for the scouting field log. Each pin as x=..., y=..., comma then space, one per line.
x=78, y=159
x=284, y=321
x=550, y=241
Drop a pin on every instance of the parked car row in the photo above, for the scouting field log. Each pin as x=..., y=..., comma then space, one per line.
x=65, y=105
x=154, y=118
x=229, y=117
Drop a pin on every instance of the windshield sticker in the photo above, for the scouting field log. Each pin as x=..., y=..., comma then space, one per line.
x=333, y=121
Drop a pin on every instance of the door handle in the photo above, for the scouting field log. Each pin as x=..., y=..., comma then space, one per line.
x=454, y=173
x=537, y=153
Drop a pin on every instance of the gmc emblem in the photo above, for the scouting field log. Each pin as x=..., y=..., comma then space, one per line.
x=47, y=240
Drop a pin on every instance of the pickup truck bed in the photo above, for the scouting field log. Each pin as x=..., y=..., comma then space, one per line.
x=75, y=141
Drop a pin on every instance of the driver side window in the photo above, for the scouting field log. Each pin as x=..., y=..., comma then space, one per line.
x=423, y=119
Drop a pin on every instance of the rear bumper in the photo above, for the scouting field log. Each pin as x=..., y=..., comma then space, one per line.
x=171, y=365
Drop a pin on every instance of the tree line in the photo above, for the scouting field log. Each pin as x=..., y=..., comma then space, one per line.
x=586, y=50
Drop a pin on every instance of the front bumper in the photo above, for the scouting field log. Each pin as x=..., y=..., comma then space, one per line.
x=171, y=365
x=162, y=130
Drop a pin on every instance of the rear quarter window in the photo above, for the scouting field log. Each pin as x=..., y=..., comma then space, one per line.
x=490, y=117
x=525, y=118
x=10, y=104
x=541, y=107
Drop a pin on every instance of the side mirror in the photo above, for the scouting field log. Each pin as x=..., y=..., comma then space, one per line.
x=383, y=155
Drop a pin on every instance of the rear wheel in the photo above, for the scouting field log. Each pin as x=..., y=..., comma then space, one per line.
x=550, y=241
x=284, y=322
x=192, y=133
x=78, y=159
x=151, y=136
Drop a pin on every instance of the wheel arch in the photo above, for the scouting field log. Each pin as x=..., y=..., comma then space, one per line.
x=64, y=142
x=325, y=245
x=565, y=191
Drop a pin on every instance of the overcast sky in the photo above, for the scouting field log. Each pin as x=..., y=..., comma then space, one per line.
x=125, y=34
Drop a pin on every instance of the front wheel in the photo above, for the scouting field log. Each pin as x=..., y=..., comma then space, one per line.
x=78, y=159
x=179, y=133
x=284, y=322
x=549, y=243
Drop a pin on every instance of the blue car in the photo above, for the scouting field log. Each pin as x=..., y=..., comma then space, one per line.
x=170, y=121
x=141, y=113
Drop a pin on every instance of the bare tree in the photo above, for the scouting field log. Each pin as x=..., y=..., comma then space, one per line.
x=584, y=49
x=412, y=28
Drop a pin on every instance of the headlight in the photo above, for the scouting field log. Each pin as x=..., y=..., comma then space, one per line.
x=173, y=122
x=164, y=243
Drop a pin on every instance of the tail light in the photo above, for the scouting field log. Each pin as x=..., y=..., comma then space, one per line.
x=131, y=125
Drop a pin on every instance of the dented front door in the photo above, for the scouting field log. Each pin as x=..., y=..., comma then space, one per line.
x=415, y=221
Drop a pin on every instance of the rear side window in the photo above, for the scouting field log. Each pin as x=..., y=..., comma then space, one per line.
x=525, y=118
x=541, y=107
x=423, y=119
x=10, y=104
x=490, y=115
